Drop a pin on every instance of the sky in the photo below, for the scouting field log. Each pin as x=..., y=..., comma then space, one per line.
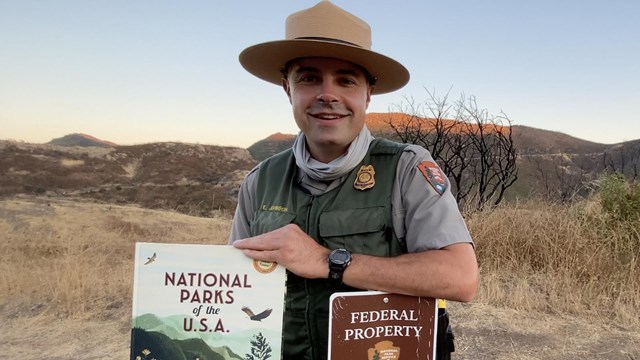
x=143, y=71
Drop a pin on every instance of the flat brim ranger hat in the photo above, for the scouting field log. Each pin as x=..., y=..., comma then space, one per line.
x=324, y=30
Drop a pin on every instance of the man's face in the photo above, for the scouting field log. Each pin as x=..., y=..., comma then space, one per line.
x=329, y=98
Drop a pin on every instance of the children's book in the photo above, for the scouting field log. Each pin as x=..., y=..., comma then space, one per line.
x=376, y=325
x=205, y=302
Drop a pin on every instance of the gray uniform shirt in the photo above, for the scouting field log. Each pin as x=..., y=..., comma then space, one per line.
x=422, y=217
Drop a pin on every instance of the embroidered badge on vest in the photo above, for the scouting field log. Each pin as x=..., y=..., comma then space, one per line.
x=365, y=178
x=434, y=175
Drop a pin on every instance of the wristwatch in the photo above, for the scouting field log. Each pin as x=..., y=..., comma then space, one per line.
x=339, y=259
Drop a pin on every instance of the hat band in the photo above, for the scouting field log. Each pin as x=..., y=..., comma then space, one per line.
x=327, y=39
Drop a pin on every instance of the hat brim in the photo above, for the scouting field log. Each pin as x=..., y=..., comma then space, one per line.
x=267, y=59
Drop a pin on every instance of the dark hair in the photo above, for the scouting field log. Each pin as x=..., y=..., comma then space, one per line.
x=370, y=78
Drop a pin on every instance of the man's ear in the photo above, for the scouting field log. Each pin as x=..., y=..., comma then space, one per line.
x=369, y=92
x=286, y=87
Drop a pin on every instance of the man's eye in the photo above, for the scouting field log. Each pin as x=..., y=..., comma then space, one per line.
x=307, y=78
x=348, y=81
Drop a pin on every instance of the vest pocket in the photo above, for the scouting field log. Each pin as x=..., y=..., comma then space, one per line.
x=265, y=221
x=360, y=231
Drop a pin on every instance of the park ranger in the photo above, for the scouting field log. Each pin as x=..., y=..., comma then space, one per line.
x=342, y=210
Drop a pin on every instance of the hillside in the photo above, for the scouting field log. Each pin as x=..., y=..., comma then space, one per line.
x=550, y=163
x=528, y=140
x=273, y=144
x=198, y=179
x=82, y=140
x=189, y=178
x=531, y=141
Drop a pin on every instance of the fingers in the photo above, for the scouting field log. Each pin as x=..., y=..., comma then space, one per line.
x=255, y=243
x=267, y=247
x=289, y=247
x=261, y=255
x=273, y=240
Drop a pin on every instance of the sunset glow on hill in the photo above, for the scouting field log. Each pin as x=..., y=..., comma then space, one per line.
x=380, y=122
x=280, y=137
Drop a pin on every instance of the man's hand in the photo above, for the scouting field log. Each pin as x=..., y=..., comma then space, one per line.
x=290, y=247
x=449, y=273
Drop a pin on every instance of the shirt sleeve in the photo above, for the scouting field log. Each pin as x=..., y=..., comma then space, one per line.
x=241, y=226
x=424, y=211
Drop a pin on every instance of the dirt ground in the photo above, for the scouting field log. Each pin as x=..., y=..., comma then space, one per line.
x=486, y=332
x=482, y=332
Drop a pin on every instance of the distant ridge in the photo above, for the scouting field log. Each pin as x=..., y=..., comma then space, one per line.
x=528, y=140
x=82, y=140
x=378, y=124
x=549, y=162
x=273, y=144
x=280, y=137
x=189, y=178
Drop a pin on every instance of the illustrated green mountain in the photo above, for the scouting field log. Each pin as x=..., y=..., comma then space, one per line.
x=193, y=348
x=171, y=328
x=227, y=352
x=147, y=321
x=160, y=346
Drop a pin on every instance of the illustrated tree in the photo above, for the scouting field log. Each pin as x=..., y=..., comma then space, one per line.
x=260, y=349
x=474, y=148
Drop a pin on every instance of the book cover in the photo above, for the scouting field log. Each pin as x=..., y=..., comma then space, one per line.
x=376, y=325
x=205, y=302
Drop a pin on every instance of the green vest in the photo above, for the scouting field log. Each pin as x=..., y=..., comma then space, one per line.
x=345, y=217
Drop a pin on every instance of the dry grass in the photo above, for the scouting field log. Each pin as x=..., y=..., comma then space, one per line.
x=559, y=259
x=553, y=278
x=74, y=259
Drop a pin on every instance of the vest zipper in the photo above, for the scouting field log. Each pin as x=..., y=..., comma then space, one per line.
x=307, y=312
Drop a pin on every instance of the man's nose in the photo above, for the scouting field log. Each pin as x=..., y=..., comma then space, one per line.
x=327, y=92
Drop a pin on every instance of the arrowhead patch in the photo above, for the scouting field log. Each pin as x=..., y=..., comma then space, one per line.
x=434, y=175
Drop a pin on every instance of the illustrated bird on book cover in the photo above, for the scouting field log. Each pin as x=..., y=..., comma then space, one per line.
x=257, y=317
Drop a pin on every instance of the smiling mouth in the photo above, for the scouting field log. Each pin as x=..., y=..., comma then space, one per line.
x=323, y=116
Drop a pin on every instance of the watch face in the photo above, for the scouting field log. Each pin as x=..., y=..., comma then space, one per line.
x=340, y=256
x=339, y=259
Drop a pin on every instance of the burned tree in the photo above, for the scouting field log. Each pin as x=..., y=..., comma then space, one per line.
x=624, y=159
x=474, y=148
x=563, y=177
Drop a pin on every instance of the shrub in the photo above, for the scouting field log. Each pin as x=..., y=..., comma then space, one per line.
x=619, y=199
